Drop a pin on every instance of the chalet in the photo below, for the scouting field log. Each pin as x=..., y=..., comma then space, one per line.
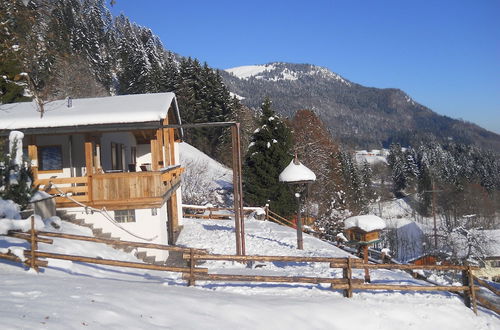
x=118, y=166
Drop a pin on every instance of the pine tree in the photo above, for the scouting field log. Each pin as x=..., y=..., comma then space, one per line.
x=269, y=153
x=19, y=190
x=397, y=162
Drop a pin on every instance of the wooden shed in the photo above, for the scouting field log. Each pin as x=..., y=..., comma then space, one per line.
x=363, y=229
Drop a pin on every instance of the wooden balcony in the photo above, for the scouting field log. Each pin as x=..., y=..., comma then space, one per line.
x=115, y=191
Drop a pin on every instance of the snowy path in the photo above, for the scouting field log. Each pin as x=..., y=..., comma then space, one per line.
x=71, y=295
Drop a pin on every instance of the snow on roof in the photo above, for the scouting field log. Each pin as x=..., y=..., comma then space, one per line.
x=367, y=223
x=296, y=173
x=493, y=238
x=136, y=108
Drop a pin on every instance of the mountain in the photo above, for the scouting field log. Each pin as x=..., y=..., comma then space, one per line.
x=356, y=115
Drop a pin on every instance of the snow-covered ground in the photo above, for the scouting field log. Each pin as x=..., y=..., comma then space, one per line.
x=205, y=179
x=69, y=295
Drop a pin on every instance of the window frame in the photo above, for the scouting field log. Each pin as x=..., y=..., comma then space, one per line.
x=40, y=159
x=117, y=156
x=126, y=216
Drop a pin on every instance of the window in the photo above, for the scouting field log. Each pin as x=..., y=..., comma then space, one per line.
x=495, y=263
x=50, y=158
x=117, y=156
x=125, y=215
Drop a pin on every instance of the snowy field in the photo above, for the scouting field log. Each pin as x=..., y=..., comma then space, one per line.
x=70, y=295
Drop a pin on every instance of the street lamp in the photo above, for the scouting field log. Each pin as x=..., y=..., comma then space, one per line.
x=297, y=174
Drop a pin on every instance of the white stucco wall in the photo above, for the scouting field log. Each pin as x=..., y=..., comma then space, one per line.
x=143, y=155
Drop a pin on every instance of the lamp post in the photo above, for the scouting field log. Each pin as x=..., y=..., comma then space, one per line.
x=296, y=174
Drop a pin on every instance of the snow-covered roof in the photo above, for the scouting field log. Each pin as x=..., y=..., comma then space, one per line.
x=493, y=242
x=366, y=223
x=296, y=172
x=138, y=108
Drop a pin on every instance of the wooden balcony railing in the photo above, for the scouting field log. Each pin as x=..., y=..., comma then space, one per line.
x=116, y=190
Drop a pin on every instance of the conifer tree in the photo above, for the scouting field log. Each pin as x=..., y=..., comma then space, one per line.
x=269, y=153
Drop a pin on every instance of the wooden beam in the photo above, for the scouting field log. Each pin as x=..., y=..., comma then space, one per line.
x=396, y=287
x=33, y=155
x=78, y=179
x=161, y=153
x=110, y=262
x=268, y=258
x=265, y=278
x=111, y=241
x=27, y=237
x=89, y=164
x=166, y=144
x=154, y=154
x=397, y=266
x=171, y=139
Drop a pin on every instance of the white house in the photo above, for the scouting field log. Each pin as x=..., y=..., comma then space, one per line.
x=111, y=153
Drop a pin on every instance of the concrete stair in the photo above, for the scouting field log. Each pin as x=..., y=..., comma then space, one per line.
x=98, y=232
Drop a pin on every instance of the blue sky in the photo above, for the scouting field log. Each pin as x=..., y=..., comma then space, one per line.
x=444, y=54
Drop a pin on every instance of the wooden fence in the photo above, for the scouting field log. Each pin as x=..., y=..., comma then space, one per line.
x=213, y=213
x=222, y=213
x=192, y=273
x=347, y=283
x=34, y=237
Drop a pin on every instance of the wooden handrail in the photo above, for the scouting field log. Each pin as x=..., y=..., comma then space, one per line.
x=77, y=179
x=487, y=285
x=276, y=215
x=110, y=241
x=342, y=262
x=111, y=262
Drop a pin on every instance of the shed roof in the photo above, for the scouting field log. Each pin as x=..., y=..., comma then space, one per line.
x=366, y=223
x=88, y=112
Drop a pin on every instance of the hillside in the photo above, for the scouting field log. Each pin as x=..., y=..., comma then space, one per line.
x=359, y=116
x=70, y=295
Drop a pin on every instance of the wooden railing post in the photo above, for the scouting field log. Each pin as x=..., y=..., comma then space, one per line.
x=365, y=260
x=192, y=263
x=34, y=245
x=472, y=289
x=347, y=272
x=467, y=292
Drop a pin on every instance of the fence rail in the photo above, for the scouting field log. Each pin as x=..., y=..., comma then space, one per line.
x=347, y=283
x=192, y=273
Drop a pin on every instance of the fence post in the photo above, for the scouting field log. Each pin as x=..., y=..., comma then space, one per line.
x=192, y=262
x=267, y=211
x=467, y=292
x=347, y=272
x=34, y=245
x=472, y=289
x=365, y=260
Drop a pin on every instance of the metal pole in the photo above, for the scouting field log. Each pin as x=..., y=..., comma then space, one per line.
x=236, y=192
x=434, y=214
x=240, y=180
x=300, y=241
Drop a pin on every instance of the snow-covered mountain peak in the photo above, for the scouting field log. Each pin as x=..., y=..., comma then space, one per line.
x=247, y=71
x=280, y=71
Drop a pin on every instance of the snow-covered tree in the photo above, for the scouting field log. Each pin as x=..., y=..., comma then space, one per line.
x=270, y=151
x=16, y=178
